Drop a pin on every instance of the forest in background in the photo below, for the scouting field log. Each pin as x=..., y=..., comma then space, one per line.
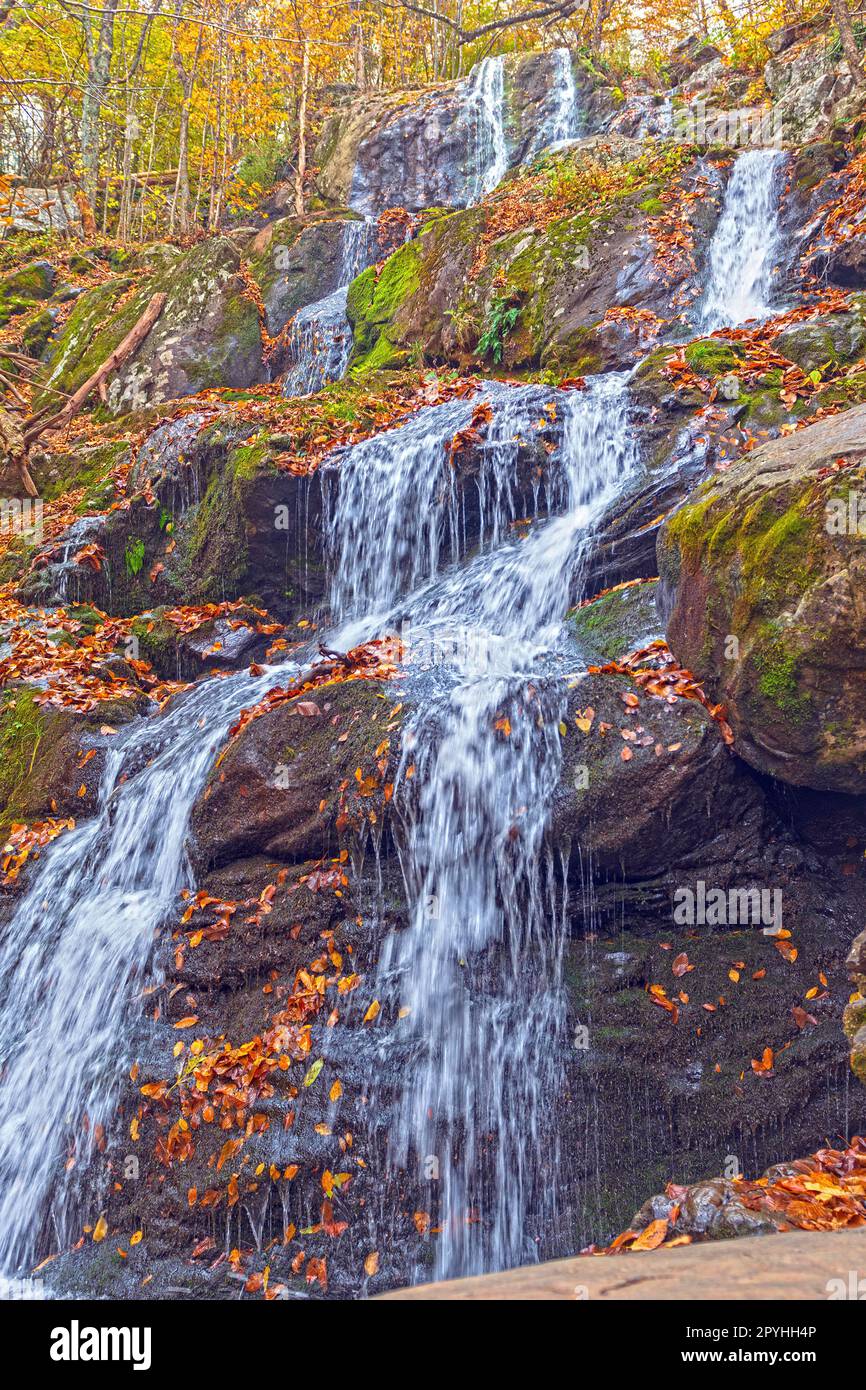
x=166, y=116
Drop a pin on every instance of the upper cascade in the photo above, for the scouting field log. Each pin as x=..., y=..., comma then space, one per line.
x=451, y=145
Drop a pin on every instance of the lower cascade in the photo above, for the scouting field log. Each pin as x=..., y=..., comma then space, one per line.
x=480, y=967
x=77, y=956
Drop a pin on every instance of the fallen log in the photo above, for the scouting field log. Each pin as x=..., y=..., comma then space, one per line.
x=134, y=338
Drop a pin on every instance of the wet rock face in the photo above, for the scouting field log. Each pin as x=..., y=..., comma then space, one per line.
x=42, y=751
x=641, y=752
x=295, y=262
x=764, y=567
x=226, y=522
x=207, y=335
x=276, y=790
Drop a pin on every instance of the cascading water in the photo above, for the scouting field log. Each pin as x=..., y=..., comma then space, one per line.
x=320, y=340
x=484, y=113
x=745, y=245
x=480, y=967
x=78, y=951
x=563, y=122
x=404, y=478
x=319, y=345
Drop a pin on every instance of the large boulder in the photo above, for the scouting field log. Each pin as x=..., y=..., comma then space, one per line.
x=21, y=289
x=626, y=747
x=812, y=89
x=214, y=516
x=766, y=573
x=528, y=277
x=208, y=334
x=41, y=210
x=280, y=786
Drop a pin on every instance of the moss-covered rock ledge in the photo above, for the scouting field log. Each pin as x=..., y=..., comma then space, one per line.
x=523, y=281
x=765, y=570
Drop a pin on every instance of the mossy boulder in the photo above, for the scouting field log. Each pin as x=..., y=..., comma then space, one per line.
x=24, y=287
x=854, y=1018
x=219, y=520
x=219, y=643
x=41, y=752
x=208, y=334
x=765, y=570
x=381, y=308
x=535, y=298
x=831, y=340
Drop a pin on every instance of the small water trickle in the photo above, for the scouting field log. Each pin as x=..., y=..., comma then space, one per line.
x=79, y=949
x=320, y=339
x=745, y=244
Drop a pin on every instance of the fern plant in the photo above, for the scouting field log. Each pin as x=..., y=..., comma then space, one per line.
x=501, y=318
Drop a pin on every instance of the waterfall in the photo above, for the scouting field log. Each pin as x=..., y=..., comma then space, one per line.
x=484, y=114
x=563, y=121
x=320, y=342
x=78, y=951
x=320, y=338
x=479, y=970
x=745, y=244
x=403, y=479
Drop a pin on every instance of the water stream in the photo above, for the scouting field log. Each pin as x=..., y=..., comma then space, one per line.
x=745, y=245
x=480, y=967
x=320, y=339
x=484, y=114
x=564, y=121
x=77, y=954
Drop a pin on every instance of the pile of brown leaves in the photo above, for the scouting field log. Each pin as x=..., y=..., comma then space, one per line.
x=655, y=670
x=25, y=840
x=66, y=672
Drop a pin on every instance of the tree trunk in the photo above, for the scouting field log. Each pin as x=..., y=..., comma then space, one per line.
x=849, y=43
x=302, y=133
x=100, y=49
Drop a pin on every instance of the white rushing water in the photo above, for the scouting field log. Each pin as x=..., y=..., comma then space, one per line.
x=78, y=952
x=563, y=122
x=403, y=478
x=746, y=244
x=320, y=339
x=480, y=967
x=484, y=114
